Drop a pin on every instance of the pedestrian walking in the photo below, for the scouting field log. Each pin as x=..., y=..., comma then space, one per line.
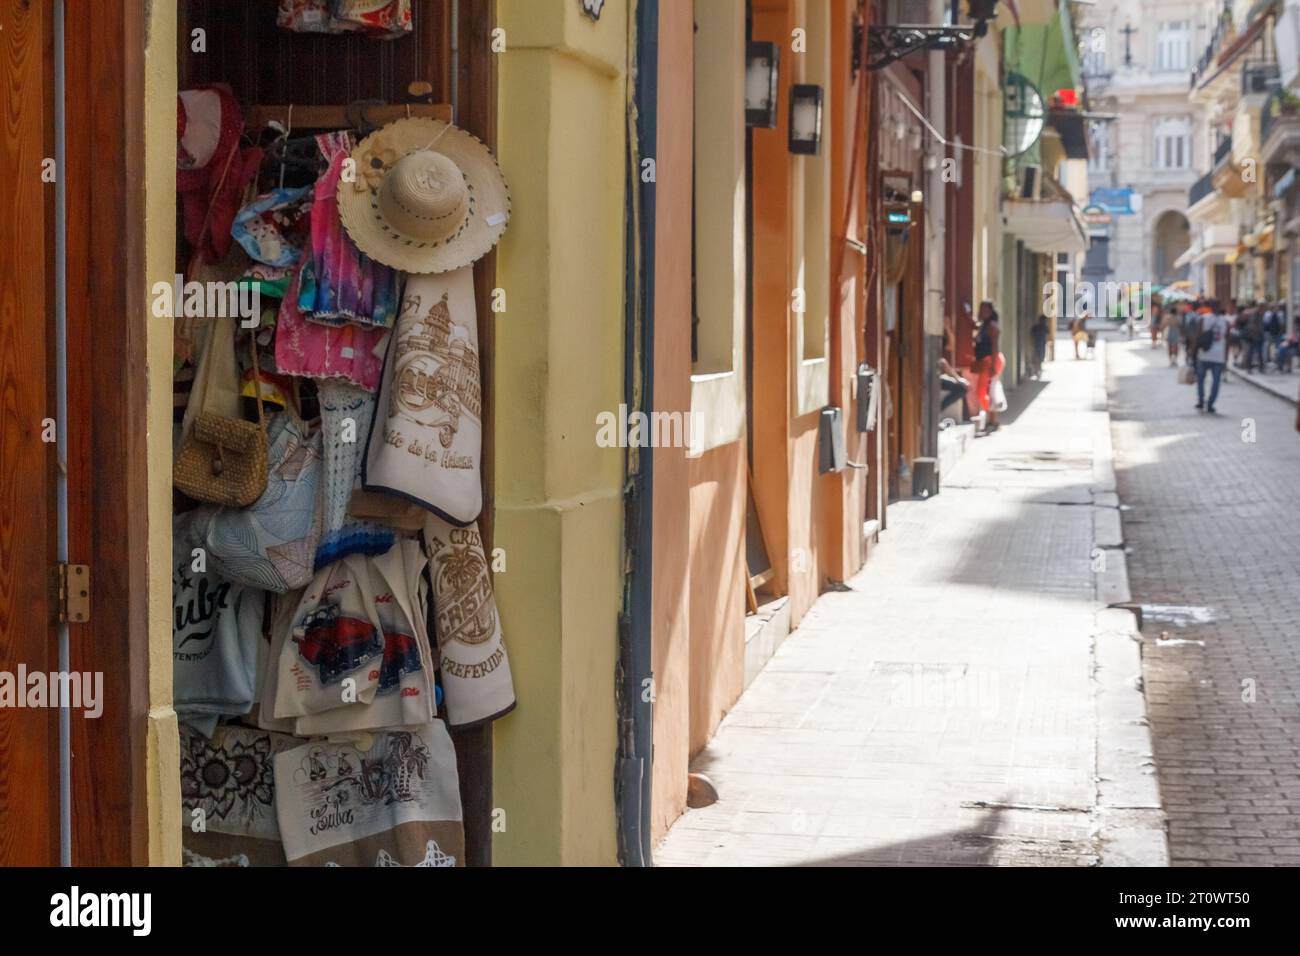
x=1192, y=331
x=1254, y=336
x=1171, y=325
x=1079, y=333
x=1274, y=328
x=1157, y=322
x=987, y=334
x=1289, y=349
x=1039, y=334
x=1211, y=356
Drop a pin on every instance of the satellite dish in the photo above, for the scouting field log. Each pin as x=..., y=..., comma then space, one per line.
x=1025, y=116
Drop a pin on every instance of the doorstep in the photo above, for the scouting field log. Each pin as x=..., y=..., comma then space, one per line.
x=1281, y=384
x=953, y=443
x=765, y=630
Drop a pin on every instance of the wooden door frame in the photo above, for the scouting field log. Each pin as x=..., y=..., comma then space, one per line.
x=29, y=738
x=107, y=425
x=476, y=111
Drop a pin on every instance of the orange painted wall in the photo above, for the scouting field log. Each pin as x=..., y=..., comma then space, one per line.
x=671, y=646
x=812, y=523
x=842, y=505
x=808, y=519
x=717, y=587
x=772, y=21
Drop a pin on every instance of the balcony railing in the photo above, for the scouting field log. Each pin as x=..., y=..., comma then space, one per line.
x=1221, y=30
x=1200, y=189
x=1279, y=105
x=1223, y=150
x=1260, y=77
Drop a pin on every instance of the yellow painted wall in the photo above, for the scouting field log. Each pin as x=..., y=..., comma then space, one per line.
x=562, y=84
x=162, y=760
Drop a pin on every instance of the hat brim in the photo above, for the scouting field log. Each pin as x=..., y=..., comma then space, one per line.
x=489, y=199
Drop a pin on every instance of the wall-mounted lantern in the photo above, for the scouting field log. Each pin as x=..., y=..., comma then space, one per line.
x=762, y=63
x=806, y=119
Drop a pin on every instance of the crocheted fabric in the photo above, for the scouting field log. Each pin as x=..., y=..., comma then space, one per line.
x=346, y=411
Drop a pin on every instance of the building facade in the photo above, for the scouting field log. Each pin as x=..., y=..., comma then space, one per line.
x=1150, y=141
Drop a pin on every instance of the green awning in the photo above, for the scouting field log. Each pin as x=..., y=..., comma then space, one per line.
x=1046, y=53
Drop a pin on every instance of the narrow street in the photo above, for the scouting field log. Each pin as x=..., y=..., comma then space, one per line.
x=945, y=709
x=1211, y=527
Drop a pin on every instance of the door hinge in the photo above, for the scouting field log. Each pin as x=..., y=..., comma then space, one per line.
x=74, y=593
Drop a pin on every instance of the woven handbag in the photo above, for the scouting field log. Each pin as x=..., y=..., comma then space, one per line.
x=222, y=460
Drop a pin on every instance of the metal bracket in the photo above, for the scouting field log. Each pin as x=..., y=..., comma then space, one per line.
x=886, y=44
x=74, y=593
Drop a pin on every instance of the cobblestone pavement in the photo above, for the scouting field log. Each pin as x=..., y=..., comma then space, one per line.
x=1212, y=528
x=941, y=711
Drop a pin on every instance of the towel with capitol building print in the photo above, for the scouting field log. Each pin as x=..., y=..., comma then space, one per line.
x=426, y=439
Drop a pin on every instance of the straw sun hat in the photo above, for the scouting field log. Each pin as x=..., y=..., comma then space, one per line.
x=428, y=197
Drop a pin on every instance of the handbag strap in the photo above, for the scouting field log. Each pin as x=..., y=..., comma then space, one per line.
x=257, y=380
x=197, y=257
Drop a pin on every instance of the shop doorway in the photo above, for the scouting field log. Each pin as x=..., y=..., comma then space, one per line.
x=338, y=82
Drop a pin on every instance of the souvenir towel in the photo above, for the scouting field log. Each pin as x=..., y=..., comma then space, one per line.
x=228, y=797
x=427, y=436
x=393, y=803
x=405, y=695
x=312, y=350
x=283, y=608
x=476, y=682
x=357, y=648
x=272, y=543
x=346, y=412
x=340, y=283
x=216, y=633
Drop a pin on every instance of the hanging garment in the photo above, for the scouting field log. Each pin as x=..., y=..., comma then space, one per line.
x=228, y=785
x=272, y=543
x=340, y=283
x=426, y=440
x=211, y=169
x=395, y=802
x=379, y=18
x=349, y=352
x=358, y=656
x=216, y=633
x=476, y=680
x=273, y=228
x=305, y=16
x=346, y=411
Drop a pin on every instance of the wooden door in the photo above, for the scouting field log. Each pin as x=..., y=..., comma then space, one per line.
x=29, y=744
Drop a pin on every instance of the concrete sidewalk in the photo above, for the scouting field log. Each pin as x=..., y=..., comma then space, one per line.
x=970, y=700
x=1282, y=384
